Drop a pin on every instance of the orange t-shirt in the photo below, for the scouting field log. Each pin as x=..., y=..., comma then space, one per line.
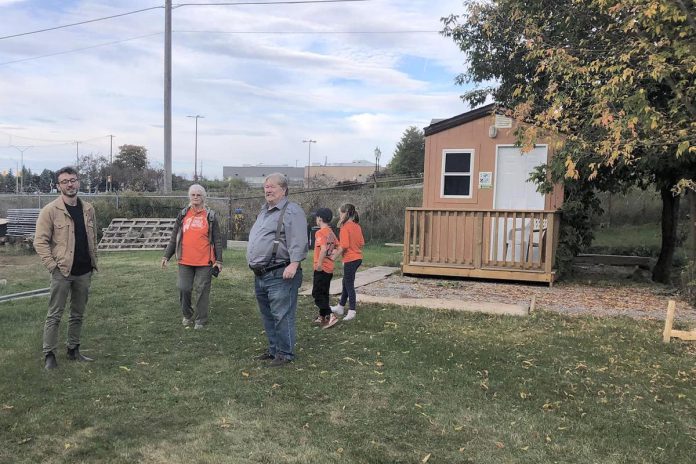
x=352, y=241
x=196, y=249
x=324, y=237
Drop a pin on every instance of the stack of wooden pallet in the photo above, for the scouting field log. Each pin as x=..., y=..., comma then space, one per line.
x=137, y=234
x=22, y=222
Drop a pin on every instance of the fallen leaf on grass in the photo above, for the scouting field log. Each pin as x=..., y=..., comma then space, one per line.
x=525, y=448
x=224, y=424
x=499, y=444
x=7, y=406
x=245, y=374
x=125, y=368
x=425, y=459
x=275, y=385
x=23, y=441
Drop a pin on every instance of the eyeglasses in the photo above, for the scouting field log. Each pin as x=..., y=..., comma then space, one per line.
x=68, y=181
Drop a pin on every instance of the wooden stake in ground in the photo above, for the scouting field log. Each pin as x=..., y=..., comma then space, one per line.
x=668, y=333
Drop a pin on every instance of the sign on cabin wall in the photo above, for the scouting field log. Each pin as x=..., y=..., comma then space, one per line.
x=485, y=180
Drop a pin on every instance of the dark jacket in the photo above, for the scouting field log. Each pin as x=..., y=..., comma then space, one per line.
x=214, y=236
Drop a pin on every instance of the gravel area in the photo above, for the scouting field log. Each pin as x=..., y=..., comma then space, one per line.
x=598, y=291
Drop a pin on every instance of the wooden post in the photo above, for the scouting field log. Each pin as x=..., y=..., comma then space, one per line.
x=669, y=320
x=407, y=239
x=478, y=239
x=669, y=333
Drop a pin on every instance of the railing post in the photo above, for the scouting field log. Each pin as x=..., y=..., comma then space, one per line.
x=407, y=239
x=478, y=239
x=550, y=242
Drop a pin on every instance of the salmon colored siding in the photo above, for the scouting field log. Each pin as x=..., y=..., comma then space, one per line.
x=471, y=135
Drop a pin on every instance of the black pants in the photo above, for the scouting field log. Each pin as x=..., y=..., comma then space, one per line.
x=320, y=291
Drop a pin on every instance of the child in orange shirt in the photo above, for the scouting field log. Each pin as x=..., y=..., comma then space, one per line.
x=324, y=244
x=350, y=245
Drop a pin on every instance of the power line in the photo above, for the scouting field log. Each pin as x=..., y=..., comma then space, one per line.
x=306, y=32
x=83, y=22
x=116, y=42
x=291, y=2
x=105, y=44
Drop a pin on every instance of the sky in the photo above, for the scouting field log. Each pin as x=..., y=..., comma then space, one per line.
x=352, y=76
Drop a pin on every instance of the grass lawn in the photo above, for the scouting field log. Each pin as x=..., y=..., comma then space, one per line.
x=392, y=386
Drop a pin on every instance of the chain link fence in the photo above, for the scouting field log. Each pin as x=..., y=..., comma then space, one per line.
x=380, y=206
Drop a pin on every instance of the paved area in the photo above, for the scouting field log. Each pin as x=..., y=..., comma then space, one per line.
x=376, y=274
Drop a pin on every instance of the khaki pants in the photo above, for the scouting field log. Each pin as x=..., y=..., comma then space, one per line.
x=194, y=278
x=78, y=289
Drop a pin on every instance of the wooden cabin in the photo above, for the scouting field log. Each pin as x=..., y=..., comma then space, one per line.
x=480, y=216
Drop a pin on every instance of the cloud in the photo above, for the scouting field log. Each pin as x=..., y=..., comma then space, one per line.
x=261, y=93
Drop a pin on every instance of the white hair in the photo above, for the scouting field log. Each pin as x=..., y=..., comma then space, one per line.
x=197, y=188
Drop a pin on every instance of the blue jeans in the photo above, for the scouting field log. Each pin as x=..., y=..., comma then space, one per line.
x=277, y=299
x=348, y=291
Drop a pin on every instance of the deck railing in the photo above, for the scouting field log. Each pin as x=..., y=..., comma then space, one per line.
x=484, y=239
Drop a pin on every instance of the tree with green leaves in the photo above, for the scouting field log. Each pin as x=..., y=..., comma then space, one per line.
x=613, y=81
x=131, y=156
x=409, y=155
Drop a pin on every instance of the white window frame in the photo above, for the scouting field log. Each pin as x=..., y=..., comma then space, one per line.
x=472, y=170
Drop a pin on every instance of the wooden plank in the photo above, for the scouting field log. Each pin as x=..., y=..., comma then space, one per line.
x=483, y=273
x=669, y=320
x=684, y=335
x=615, y=260
x=407, y=238
x=478, y=239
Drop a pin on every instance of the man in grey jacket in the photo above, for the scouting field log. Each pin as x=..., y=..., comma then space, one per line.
x=66, y=241
x=277, y=244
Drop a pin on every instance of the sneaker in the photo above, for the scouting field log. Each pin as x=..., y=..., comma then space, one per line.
x=198, y=326
x=319, y=320
x=264, y=357
x=329, y=321
x=337, y=310
x=187, y=322
x=350, y=316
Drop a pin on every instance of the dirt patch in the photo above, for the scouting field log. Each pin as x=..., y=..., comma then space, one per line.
x=598, y=291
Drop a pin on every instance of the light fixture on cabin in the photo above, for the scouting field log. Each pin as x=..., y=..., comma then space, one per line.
x=492, y=131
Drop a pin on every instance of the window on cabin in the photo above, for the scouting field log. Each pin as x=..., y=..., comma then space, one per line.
x=457, y=169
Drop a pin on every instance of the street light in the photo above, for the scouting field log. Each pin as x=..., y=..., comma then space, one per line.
x=195, y=153
x=21, y=174
x=378, y=153
x=309, y=143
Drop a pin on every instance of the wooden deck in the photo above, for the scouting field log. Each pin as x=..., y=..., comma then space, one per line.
x=489, y=244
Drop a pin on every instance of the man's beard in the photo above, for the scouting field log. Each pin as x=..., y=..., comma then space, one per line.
x=70, y=194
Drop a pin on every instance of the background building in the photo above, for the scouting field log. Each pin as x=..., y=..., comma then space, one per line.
x=357, y=171
x=255, y=175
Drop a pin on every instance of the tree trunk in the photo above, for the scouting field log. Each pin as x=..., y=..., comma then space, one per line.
x=670, y=219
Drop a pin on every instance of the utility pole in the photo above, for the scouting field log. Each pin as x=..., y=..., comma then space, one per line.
x=77, y=153
x=309, y=143
x=167, y=187
x=378, y=154
x=195, y=150
x=111, y=150
x=21, y=173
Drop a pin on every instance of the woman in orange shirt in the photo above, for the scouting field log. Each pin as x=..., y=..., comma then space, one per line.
x=197, y=243
x=350, y=243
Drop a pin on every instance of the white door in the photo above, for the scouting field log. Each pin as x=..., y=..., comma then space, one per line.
x=513, y=192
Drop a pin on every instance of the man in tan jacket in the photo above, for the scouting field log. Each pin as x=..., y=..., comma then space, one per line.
x=66, y=238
